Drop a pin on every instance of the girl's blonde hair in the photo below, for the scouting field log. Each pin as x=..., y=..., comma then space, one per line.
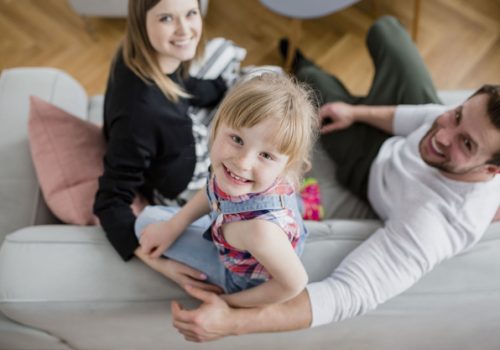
x=283, y=98
x=140, y=56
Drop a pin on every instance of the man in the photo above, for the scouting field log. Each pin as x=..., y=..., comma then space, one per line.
x=428, y=172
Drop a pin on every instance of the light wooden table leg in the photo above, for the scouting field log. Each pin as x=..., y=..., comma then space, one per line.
x=416, y=19
x=293, y=42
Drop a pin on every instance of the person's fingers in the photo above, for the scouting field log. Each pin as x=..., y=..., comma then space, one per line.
x=184, y=327
x=325, y=129
x=325, y=109
x=193, y=273
x=146, y=251
x=213, y=288
x=200, y=294
x=193, y=339
x=190, y=333
x=156, y=252
x=193, y=282
x=206, y=287
x=143, y=242
x=188, y=330
x=175, y=307
x=147, y=246
x=325, y=117
x=179, y=314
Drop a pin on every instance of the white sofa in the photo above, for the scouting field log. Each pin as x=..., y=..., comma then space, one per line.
x=64, y=287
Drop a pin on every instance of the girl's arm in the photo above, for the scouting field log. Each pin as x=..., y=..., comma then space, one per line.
x=270, y=246
x=157, y=237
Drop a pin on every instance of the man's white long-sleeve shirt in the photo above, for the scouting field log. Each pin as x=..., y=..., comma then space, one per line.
x=428, y=218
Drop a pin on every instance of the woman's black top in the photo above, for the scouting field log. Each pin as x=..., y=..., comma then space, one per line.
x=150, y=145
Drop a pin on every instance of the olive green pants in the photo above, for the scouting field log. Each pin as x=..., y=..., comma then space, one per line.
x=401, y=77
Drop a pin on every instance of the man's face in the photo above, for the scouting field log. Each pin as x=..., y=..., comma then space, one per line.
x=461, y=140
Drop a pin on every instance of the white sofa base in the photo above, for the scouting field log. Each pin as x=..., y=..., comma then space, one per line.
x=68, y=282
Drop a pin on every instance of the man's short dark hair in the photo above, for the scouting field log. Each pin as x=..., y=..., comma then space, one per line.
x=493, y=111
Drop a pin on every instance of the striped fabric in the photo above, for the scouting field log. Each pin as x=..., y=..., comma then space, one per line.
x=221, y=58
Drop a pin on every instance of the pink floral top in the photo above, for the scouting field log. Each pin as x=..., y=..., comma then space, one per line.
x=242, y=262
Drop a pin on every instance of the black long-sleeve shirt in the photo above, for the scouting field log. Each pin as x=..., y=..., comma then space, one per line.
x=150, y=145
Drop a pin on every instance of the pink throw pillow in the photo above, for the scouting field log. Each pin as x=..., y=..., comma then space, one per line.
x=67, y=153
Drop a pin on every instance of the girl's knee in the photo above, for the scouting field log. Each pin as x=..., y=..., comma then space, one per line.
x=152, y=214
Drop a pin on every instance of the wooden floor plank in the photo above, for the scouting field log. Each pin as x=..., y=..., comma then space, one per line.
x=459, y=40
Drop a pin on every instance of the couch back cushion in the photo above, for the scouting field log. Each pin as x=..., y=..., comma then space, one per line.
x=21, y=204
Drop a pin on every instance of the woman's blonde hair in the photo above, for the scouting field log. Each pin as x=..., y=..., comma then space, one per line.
x=283, y=98
x=140, y=56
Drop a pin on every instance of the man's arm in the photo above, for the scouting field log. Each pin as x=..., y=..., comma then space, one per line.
x=388, y=262
x=214, y=319
x=340, y=115
x=497, y=215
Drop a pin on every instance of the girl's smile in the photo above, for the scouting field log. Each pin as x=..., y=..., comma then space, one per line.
x=247, y=160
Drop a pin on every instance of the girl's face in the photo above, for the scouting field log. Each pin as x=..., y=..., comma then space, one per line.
x=174, y=30
x=247, y=160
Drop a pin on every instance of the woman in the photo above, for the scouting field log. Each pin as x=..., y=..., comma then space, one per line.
x=151, y=145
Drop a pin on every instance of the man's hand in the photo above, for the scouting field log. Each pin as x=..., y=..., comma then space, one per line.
x=335, y=116
x=210, y=321
x=215, y=319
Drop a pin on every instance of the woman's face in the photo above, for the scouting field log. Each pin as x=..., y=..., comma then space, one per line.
x=174, y=30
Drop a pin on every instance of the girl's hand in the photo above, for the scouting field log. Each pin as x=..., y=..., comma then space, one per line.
x=184, y=276
x=179, y=273
x=158, y=237
x=335, y=116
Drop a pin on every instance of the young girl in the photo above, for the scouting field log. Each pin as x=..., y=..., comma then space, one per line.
x=153, y=146
x=260, y=144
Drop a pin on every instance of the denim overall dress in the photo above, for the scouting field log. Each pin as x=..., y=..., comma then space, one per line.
x=195, y=248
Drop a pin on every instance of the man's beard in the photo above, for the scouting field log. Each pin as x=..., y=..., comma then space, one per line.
x=444, y=165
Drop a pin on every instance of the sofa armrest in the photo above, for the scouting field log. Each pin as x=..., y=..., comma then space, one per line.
x=50, y=84
x=80, y=264
x=22, y=204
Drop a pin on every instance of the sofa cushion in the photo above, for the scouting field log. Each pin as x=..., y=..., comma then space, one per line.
x=67, y=153
x=22, y=202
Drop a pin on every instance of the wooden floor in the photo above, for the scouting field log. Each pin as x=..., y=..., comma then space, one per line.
x=458, y=39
